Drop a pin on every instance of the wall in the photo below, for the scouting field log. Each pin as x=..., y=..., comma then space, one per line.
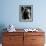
x=10, y=13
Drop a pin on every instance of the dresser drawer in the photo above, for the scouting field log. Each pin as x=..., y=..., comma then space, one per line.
x=37, y=44
x=13, y=33
x=13, y=44
x=37, y=39
x=34, y=33
x=12, y=39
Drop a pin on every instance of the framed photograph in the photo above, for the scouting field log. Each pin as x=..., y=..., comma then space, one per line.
x=26, y=13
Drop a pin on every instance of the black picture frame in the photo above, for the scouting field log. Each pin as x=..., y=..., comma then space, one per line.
x=25, y=13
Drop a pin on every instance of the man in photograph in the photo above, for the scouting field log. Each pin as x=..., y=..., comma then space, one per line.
x=26, y=13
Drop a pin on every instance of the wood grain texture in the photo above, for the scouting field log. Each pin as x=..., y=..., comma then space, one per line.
x=23, y=39
x=34, y=39
x=13, y=39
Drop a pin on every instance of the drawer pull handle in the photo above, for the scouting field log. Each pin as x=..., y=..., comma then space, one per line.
x=33, y=39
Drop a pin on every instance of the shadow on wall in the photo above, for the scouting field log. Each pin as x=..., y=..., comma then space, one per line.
x=2, y=26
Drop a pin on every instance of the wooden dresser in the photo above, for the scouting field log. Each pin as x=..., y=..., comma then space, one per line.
x=23, y=39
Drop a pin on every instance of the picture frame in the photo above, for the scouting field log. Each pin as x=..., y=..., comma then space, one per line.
x=25, y=13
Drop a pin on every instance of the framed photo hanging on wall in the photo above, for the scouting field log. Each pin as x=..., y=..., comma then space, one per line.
x=25, y=13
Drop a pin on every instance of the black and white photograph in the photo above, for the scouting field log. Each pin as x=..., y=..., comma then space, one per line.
x=26, y=13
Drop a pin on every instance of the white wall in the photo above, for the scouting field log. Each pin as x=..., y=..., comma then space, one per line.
x=10, y=13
